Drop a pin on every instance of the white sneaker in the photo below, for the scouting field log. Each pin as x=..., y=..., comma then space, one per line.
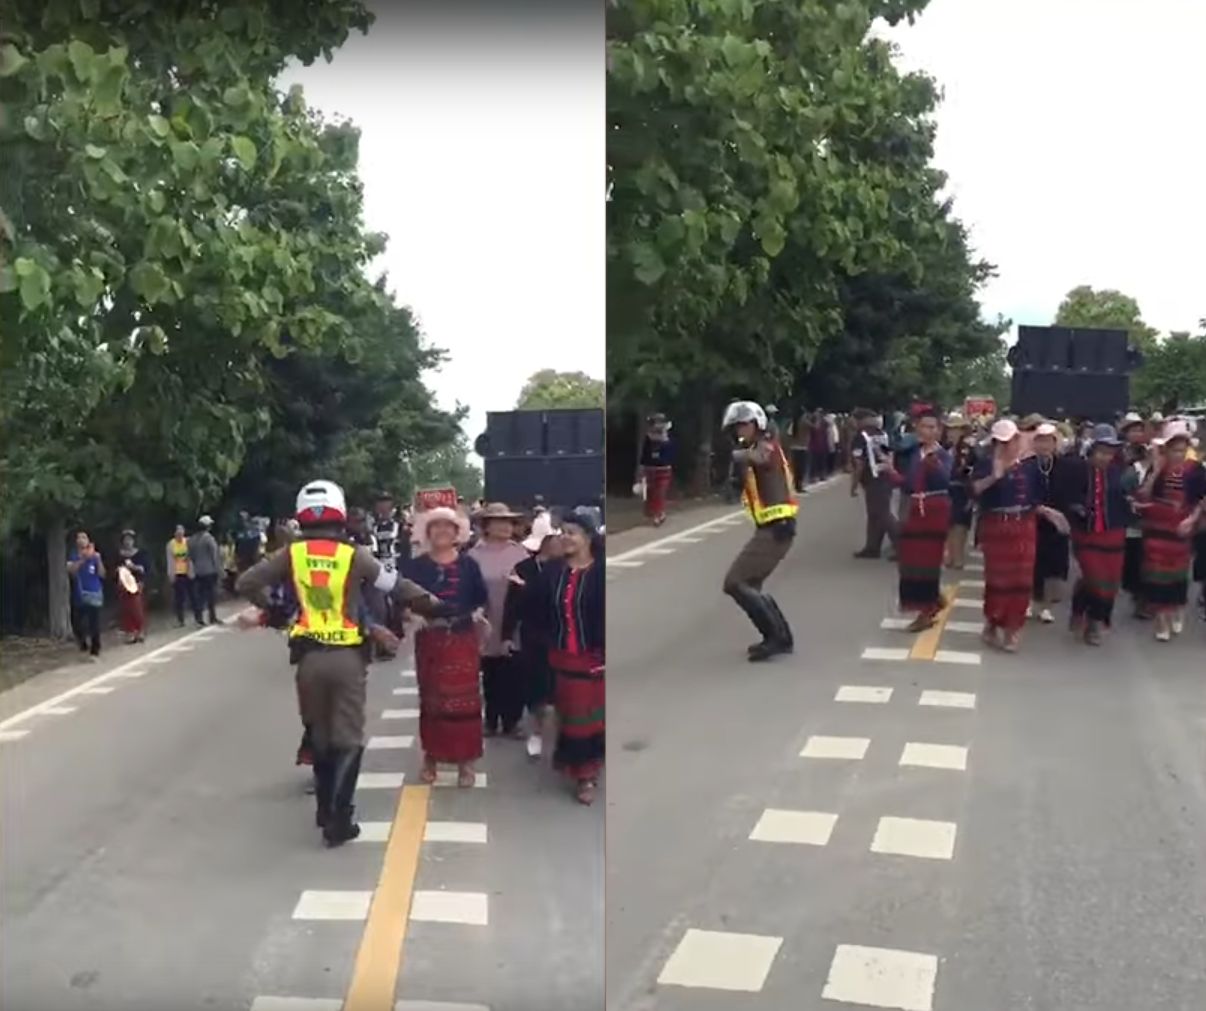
x=1178, y=625
x=1046, y=617
x=535, y=746
x=1163, y=635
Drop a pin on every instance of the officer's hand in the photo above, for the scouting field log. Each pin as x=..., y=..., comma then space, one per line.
x=384, y=638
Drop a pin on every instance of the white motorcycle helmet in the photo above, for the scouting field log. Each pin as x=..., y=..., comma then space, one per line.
x=744, y=410
x=321, y=503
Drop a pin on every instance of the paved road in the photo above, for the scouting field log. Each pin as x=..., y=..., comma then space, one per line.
x=159, y=852
x=1041, y=845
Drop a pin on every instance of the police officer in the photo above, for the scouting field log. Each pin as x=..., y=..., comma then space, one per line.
x=328, y=642
x=765, y=480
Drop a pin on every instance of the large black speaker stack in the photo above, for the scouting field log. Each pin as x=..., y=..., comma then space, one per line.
x=1072, y=372
x=556, y=454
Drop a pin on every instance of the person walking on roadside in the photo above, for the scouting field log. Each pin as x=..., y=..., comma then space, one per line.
x=206, y=559
x=657, y=467
x=925, y=488
x=87, y=571
x=328, y=642
x=767, y=491
x=448, y=652
x=132, y=573
x=496, y=555
x=1006, y=485
x=1137, y=457
x=180, y=572
x=249, y=542
x=871, y=453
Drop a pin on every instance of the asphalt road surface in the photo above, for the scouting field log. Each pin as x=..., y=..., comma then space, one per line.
x=159, y=852
x=889, y=821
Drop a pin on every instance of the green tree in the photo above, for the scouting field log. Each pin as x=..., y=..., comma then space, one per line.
x=770, y=198
x=549, y=389
x=1173, y=375
x=1106, y=309
x=172, y=228
x=447, y=465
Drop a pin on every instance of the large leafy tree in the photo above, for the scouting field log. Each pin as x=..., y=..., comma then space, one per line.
x=772, y=207
x=173, y=232
x=1105, y=309
x=549, y=389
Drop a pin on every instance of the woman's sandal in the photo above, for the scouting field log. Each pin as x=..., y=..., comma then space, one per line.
x=466, y=778
x=586, y=792
x=428, y=775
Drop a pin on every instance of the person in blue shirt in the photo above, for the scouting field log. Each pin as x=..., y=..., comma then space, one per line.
x=87, y=571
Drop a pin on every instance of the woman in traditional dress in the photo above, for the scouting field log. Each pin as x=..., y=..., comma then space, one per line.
x=1051, y=544
x=131, y=582
x=1010, y=500
x=925, y=488
x=1097, y=503
x=1170, y=503
x=448, y=651
x=657, y=468
x=572, y=589
x=961, y=443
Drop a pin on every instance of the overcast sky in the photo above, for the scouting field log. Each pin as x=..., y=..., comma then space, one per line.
x=482, y=157
x=1075, y=151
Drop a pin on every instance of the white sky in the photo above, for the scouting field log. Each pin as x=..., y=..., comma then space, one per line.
x=483, y=160
x=1071, y=135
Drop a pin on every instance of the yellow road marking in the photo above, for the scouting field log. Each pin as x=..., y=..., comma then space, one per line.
x=926, y=645
x=375, y=978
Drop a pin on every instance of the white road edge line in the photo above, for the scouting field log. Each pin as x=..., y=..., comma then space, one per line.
x=54, y=703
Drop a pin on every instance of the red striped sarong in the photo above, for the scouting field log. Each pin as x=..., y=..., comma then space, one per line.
x=1100, y=556
x=1167, y=557
x=132, y=613
x=920, y=552
x=580, y=702
x=450, y=696
x=657, y=490
x=1008, y=543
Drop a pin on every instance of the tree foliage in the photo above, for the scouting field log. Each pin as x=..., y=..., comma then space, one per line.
x=183, y=296
x=549, y=389
x=1105, y=309
x=774, y=222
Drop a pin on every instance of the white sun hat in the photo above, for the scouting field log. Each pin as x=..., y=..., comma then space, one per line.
x=542, y=528
x=1004, y=430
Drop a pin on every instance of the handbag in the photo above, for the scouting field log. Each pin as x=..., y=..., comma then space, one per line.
x=92, y=598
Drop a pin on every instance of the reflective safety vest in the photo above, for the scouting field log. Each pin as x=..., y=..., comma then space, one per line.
x=321, y=573
x=180, y=556
x=764, y=514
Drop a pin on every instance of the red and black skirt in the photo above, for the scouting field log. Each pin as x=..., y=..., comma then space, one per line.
x=1167, y=558
x=450, y=697
x=580, y=698
x=920, y=553
x=1100, y=556
x=1008, y=543
x=657, y=490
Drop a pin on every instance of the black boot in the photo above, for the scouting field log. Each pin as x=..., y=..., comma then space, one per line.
x=754, y=604
x=341, y=824
x=324, y=786
x=783, y=629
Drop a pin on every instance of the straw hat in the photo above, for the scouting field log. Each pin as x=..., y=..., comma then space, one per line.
x=1030, y=422
x=441, y=514
x=1130, y=421
x=497, y=511
x=542, y=529
x=1047, y=429
x=956, y=420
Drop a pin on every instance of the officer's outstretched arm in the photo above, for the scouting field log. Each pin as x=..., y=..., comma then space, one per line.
x=412, y=595
x=256, y=583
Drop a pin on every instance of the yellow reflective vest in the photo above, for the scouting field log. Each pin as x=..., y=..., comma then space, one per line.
x=761, y=513
x=322, y=572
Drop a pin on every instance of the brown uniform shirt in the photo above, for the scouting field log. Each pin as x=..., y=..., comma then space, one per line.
x=764, y=456
x=256, y=582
